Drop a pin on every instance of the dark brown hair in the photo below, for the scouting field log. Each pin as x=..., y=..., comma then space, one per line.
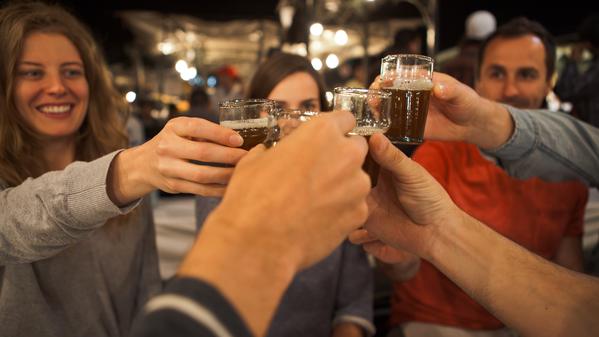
x=519, y=27
x=276, y=68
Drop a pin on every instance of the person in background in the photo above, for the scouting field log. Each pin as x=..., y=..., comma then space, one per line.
x=72, y=261
x=357, y=76
x=408, y=212
x=405, y=41
x=414, y=214
x=333, y=297
x=135, y=130
x=200, y=105
x=251, y=246
x=229, y=86
x=581, y=88
x=479, y=25
x=516, y=63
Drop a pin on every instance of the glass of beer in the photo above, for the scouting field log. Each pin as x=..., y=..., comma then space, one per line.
x=251, y=118
x=372, y=109
x=286, y=121
x=409, y=79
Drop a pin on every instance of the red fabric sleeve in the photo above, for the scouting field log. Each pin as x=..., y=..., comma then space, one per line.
x=576, y=225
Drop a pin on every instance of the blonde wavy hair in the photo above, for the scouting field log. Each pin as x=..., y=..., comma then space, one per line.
x=103, y=129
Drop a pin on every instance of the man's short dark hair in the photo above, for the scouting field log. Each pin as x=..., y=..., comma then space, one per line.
x=519, y=27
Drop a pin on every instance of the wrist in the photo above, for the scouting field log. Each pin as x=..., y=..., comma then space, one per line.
x=444, y=236
x=126, y=182
x=493, y=126
x=224, y=248
x=247, y=273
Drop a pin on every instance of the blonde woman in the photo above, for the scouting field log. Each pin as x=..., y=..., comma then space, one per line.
x=72, y=262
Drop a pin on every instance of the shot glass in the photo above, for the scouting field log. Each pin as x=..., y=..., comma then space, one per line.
x=409, y=79
x=251, y=118
x=371, y=108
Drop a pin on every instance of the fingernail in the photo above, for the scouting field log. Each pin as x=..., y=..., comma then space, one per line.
x=235, y=140
x=441, y=88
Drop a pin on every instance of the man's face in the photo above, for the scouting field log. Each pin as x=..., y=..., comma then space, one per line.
x=513, y=72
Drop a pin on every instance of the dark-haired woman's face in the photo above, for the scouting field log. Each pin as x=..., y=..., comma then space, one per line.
x=297, y=91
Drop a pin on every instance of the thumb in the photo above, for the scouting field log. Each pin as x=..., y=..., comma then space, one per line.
x=254, y=153
x=384, y=153
x=443, y=85
x=448, y=89
x=392, y=159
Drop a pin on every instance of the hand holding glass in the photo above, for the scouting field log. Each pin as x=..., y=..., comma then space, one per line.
x=409, y=78
x=251, y=118
x=286, y=121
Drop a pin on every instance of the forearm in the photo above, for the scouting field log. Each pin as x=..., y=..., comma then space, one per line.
x=252, y=278
x=492, y=127
x=551, y=146
x=43, y=216
x=524, y=291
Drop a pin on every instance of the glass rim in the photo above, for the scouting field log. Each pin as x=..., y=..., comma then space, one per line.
x=311, y=113
x=361, y=91
x=391, y=58
x=246, y=102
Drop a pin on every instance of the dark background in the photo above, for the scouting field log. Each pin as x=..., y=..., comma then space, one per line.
x=559, y=17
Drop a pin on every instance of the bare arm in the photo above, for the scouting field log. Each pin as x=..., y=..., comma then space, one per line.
x=251, y=246
x=412, y=212
x=525, y=291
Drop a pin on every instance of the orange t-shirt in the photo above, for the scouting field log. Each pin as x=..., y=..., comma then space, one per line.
x=533, y=213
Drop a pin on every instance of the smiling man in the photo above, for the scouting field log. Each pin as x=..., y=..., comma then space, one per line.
x=515, y=66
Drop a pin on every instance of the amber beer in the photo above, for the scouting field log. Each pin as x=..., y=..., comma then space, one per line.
x=253, y=131
x=370, y=166
x=409, y=107
x=409, y=79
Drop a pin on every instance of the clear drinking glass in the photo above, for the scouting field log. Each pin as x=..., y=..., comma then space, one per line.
x=251, y=118
x=372, y=110
x=286, y=121
x=409, y=79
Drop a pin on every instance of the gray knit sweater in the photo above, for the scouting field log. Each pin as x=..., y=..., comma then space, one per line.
x=61, y=272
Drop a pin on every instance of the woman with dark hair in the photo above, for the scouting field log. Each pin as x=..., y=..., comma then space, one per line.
x=291, y=80
x=72, y=261
x=333, y=297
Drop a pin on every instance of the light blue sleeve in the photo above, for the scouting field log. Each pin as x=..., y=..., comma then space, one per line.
x=552, y=146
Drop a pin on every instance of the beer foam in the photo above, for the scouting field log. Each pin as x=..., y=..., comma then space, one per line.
x=417, y=84
x=367, y=130
x=246, y=123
